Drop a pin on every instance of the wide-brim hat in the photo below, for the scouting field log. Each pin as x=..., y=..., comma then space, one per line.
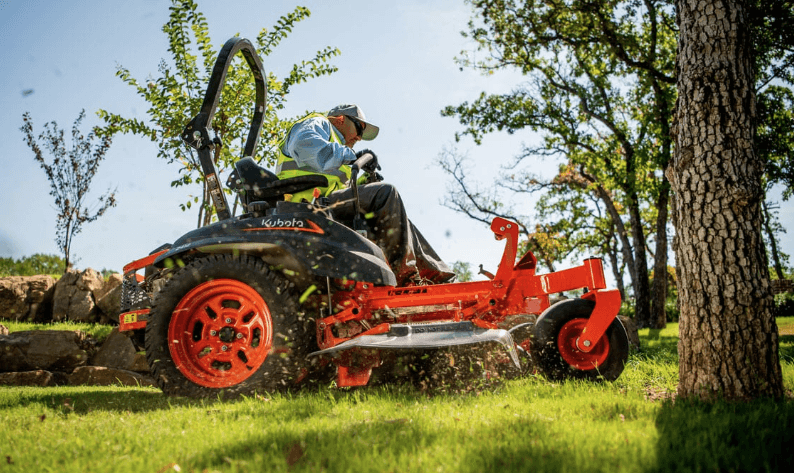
x=350, y=110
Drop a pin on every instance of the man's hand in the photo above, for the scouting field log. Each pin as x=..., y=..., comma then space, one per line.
x=373, y=177
x=373, y=165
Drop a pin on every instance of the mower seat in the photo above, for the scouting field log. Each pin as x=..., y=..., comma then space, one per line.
x=255, y=183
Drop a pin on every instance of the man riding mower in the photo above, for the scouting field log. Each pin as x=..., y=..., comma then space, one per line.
x=264, y=300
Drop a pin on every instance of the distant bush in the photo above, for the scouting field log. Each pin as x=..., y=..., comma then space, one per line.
x=627, y=309
x=31, y=265
x=784, y=304
x=462, y=271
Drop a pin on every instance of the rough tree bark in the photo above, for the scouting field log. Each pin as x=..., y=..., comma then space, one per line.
x=729, y=341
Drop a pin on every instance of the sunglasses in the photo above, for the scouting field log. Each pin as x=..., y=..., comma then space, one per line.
x=359, y=126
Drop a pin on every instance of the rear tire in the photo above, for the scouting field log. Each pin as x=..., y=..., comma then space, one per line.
x=226, y=325
x=554, y=347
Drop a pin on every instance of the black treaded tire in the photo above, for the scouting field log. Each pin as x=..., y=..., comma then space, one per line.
x=288, y=331
x=545, y=348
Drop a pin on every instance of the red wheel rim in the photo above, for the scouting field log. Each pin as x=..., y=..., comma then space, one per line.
x=220, y=333
x=566, y=342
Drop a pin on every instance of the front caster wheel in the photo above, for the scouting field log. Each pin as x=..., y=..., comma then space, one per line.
x=554, y=347
x=225, y=324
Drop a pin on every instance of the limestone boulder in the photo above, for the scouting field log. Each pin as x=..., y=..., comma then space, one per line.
x=51, y=350
x=117, y=351
x=112, y=282
x=110, y=305
x=139, y=364
x=74, y=299
x=103, y=376
x=27, y=298
x=33, y=378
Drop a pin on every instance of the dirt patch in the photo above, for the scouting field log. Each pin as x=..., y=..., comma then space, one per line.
x=652, y=394
x=786, y=330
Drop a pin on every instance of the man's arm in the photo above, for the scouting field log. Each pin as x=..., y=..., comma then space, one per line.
x=310, y=145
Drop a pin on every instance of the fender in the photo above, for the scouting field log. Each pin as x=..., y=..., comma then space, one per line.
x=317, y=245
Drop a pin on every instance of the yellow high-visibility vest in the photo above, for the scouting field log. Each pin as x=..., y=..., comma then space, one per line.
x=287, y=167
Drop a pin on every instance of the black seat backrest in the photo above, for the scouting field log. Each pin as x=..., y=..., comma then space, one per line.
x=255, y=183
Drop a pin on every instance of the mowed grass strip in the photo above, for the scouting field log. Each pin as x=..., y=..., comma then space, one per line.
x=98, y=332
x=528, y=424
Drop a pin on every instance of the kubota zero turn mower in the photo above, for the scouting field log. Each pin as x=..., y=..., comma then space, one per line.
x=261, y=301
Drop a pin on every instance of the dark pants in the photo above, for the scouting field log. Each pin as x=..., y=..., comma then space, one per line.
x=411, y=257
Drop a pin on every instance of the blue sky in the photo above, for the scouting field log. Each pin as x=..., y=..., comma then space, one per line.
x=397, y=63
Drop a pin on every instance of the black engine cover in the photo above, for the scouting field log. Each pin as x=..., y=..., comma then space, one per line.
x=304, y=241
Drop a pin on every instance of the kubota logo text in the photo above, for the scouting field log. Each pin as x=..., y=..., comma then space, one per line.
x=286, y=223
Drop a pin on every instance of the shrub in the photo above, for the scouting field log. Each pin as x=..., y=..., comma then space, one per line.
x=32, y=265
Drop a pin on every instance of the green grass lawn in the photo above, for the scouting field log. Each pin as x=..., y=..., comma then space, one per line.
x=97, y=331
x=528, y=424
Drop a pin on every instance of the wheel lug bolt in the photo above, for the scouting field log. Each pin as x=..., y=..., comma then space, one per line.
x=224, y=348
x=213, y=333
x=239, y=335
x=587, y=343
x=228, y=321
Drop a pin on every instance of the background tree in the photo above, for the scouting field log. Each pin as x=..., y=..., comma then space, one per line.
x=773, y=58
x=176, y=96
x=31, y=265
x=774, y=143
x=729, y=342
x=70, y=174
x=600, y=88
x=462, y=271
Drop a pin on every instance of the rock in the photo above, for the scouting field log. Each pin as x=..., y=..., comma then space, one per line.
x=90, y=280
x=3, y=330
x=102, y=376
x=112, y=282
x=110, y=305
x=33, y=378
x=631, y=330
x=140, y=365
x=116, y=352
x=74, y=296
x=52, y=350
x=26, y=297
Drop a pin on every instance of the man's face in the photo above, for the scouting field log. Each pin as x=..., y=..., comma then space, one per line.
x=352, y=130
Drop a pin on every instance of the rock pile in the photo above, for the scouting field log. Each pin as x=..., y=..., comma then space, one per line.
x=26, y=297
x=60, y=357
x=63, y=357
x=78, y=296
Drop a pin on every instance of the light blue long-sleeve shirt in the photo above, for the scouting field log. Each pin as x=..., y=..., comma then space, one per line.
x=309, y=144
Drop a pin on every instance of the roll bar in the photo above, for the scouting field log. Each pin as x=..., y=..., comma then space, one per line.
x=197, y=132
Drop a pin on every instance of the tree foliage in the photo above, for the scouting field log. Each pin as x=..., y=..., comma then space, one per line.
x=773, y=58
x=32, y=265
x=70, y=173
x=599, y=87
x=462, y=271
x=775, y=136
x=176, y=95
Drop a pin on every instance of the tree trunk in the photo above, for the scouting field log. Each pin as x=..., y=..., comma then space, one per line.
x=728, y=338
x=622, y=234
x=659, y=288
x=642, y=284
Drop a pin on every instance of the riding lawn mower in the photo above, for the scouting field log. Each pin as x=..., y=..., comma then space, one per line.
x=268, y=299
